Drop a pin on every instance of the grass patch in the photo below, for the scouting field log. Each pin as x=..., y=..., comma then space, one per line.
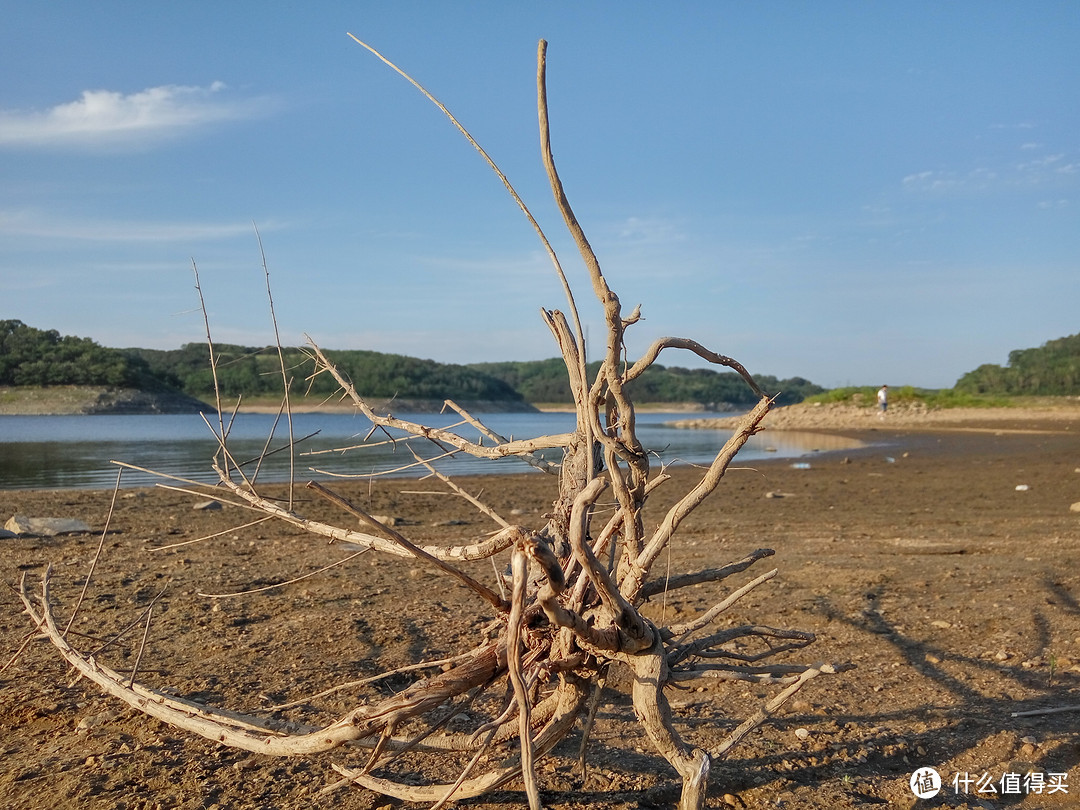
x=940, y=398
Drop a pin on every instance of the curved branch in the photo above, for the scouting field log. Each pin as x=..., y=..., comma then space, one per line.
x=256, y=735
x=634, y=579
x=505, y=181
x=654, y=712
x=572, y=697
x=415, y=551
x=654, y=350
x=499, y=541
x=656, y=586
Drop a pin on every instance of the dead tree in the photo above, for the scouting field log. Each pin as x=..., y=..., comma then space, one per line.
x=577, y=584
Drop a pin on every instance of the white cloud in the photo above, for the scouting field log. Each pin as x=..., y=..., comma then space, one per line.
x=108, y=118
x=31, y=224
x=1040, y=163
x=647, y=231
x=1038, y=171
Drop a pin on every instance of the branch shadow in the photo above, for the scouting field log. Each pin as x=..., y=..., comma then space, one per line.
x=968, y=722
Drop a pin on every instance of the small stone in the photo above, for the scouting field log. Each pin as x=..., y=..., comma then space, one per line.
x=1029, y=740
x=941, y=624
x=206, y=506
x=93, y=721
x=1075, y=507
x=802, y=733
x=932, y=659
x=1022, y=487
x=45, y=526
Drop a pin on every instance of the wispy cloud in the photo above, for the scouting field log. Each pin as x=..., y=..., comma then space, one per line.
x=647, y=231
x=943, y=182
x=106, y=118
x=1049, y=169
x=33, y=224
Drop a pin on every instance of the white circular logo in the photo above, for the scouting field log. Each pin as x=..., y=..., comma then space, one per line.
x=925, y=783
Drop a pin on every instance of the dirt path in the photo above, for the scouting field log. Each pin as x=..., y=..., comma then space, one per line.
x=916, y=558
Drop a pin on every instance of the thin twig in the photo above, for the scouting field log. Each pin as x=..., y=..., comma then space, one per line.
x=142, y=646
x=22, y=647
x=288, y=581
x=286, y=381
x=1056, y=710
x=97, y=554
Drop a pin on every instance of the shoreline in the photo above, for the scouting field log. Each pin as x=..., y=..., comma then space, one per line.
x=943, y=562
x=833, y=417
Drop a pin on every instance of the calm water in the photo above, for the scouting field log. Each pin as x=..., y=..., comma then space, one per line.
x=43, y=452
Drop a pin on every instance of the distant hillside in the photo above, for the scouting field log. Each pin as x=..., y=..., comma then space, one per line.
x=37, y=357
x=546, y=381
x=253, y=372
x=1053, y=369
x=43, y=359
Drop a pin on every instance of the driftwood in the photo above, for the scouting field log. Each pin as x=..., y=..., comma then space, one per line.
x=577, y=584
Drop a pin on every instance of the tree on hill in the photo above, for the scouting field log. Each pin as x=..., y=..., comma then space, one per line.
x=30, y=356
x=1053, y=369
x=248, y=371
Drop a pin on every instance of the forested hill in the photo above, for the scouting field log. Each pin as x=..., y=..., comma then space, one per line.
x=36, y=357
x=250, y=371
x=1053, y=369
x=30, y=356
x=545, y=381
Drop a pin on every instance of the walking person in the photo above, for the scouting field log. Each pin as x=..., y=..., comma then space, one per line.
x=883, y=401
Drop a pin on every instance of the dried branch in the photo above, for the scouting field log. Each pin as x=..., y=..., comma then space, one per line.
x=579, y=577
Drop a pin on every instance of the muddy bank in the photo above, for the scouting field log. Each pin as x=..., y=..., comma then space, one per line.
x=917, y=558
x=74, y=400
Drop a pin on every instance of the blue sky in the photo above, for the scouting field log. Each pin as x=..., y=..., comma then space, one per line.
x=856, y=193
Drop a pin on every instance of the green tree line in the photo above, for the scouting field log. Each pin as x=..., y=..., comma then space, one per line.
x=30, y=356
x=1052, y=369
x=546, y=381
x=247, y=371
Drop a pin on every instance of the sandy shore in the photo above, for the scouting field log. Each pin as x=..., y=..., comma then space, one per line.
x=1063, y=415
x=943, y=561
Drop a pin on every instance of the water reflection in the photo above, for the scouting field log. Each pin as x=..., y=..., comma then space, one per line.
x=49, y=452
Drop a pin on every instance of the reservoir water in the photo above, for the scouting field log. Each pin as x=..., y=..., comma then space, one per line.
x=73, y=452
